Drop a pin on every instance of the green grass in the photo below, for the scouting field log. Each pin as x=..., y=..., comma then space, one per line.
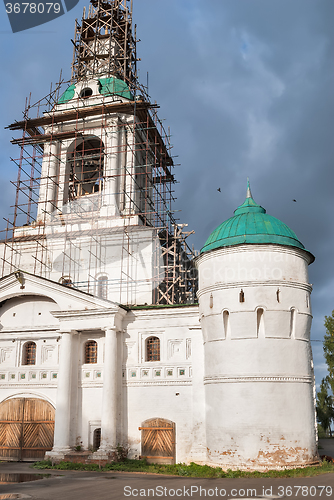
x=192, y=470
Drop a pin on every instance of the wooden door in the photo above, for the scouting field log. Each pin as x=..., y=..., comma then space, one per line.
x=158, y=441
x=26, y=429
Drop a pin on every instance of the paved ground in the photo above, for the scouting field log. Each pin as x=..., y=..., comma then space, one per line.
x=326, y=447
x=78, y=485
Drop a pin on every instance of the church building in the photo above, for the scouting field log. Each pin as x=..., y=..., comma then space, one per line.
x=115, y=335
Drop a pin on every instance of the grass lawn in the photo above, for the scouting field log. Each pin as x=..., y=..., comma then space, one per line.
x=192, y=470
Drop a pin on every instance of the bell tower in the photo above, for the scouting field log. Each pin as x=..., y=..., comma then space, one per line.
x=94, y=193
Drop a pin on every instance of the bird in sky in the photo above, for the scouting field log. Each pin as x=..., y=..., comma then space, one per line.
x=219, y=190
x=294, y=200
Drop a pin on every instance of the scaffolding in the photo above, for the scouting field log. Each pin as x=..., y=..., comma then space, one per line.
x=69, y=203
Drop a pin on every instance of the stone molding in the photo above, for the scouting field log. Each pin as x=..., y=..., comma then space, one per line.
x=256, y=378
x=129, y=383
x=251, y=247
x=244, y=284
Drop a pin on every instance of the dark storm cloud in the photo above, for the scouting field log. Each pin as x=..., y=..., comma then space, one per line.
x=246, y=86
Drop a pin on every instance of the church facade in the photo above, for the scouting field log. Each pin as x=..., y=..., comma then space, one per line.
x=114, y=334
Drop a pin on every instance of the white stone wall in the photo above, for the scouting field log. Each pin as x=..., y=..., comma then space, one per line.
x=256, y=317
x=61, y=323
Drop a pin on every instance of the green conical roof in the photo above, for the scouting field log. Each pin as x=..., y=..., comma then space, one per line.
x=252, y=225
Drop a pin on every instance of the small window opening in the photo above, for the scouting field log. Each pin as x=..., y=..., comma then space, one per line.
x=226, y=321
x=29, y=353
x=153, y=349
x=102, y=287
x=211, y=301
x=278, y=294
x=307, y=300
x=97, y=439
x=86, y=92
x=260, y=322
x=241, y=296
x=91, y=352
x=292, y=322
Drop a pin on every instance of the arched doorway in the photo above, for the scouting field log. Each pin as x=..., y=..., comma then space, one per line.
x=26, y=429
x=158, y=441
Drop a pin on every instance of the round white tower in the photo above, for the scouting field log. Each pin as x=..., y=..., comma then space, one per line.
x=254, y=299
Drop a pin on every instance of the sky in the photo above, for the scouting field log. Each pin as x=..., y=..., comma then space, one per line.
x=246, y=87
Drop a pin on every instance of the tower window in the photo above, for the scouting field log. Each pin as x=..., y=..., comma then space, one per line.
x=278, y=295
x=91, y=352
x=241, y=296
x=153, y=349
x=87, y=92
x=29, y=353
x=86, y=168
x=226, y=322
x=292, y=322
x=102, y=287
x=260, y=323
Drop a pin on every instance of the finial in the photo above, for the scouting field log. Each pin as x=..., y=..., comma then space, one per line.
x=249, y=193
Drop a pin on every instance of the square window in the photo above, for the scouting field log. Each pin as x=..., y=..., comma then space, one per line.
x=98, y=374
x=43, y=375
x=87, y=374
x=182, y=372
x=12, y=375
x=33, y=375
x=23, y=376
x=54, y=375
x=145, y=373
x=169, y=373
x=2, y=376
x=157, y=373
x=133, y=374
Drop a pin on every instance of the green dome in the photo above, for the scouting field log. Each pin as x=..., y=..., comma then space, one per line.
x=107, y=86
x=252, y=225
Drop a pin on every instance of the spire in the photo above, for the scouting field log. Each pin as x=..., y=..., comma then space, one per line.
x=249, y=192
x=249, y=205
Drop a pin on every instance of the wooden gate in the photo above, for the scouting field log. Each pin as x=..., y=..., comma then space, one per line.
x=158, y=441
x=26, y=429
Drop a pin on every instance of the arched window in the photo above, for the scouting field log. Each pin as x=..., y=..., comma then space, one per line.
x=91, y=352
x=102, y=287
x=226, y=322
x=86, y=168
x=260, y=323
x=29, y=353
x=86, y=92
x=153, y=349
x=292, y=321
x=241, y=296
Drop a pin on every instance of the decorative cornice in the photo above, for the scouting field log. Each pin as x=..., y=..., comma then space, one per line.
x=159, y=382
x=74, y=314
x=244, y=284
x=223, y=379
x=163, y=313
x=251, y=247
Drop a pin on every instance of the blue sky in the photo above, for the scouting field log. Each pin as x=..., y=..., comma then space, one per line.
x=247, y=89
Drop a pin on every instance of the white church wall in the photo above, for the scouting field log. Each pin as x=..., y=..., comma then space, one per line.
x=164, y=388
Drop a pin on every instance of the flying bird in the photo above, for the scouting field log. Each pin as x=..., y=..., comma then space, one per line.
x=219, y=190
x=294, y=200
